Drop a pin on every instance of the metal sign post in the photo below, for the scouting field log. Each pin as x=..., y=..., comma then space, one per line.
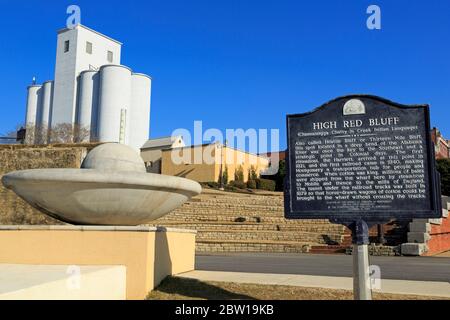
x=361, y=277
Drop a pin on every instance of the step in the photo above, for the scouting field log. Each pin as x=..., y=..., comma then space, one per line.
x=240, y=222
x=236, y=218
x=275, y=236
x=200, y=226
x=229, y=203
x=231, y=212
x=268, y=201
x=271, y=206
x=250, y=199
x=328, y=249
x=240, y=196
x=219, y=219
x=249, y=246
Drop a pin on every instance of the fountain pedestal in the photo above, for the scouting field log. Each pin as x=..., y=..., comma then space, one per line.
x=148, y=253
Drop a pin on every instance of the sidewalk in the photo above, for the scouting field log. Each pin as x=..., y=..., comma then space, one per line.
x=425, y=288
x=443, y=254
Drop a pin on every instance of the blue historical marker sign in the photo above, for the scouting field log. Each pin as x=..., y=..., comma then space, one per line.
x=361, y=158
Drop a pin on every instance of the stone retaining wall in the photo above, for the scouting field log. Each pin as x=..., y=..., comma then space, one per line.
x=428, y=237
x=14, y=210
x=226, y=222
x=379, y=250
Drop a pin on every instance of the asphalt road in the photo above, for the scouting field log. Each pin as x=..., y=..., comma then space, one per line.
x=401, y=268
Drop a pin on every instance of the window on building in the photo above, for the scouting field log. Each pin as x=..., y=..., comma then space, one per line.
x=88, y=47
x=110, y=56
x=66, y=46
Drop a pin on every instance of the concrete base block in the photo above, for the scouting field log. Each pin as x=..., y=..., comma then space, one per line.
x=413, y=249
x=418, y=237
x=432, y=221
x=149, y=254
x=435, y=221
x=444, y=213
x=418, y=226
x=446, y=202
x=53, y=282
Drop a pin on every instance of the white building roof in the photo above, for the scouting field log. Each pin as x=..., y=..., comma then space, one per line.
x=89, y=29
x=164, y=142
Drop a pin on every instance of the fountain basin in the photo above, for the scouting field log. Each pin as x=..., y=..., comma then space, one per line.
x=93, y=197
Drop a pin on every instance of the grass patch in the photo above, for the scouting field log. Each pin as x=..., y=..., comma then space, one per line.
x=174, y=288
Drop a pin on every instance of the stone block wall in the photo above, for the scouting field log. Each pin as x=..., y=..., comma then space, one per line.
x=251, y=222
x=428, y=237
x=14, y=210
x=379, y=250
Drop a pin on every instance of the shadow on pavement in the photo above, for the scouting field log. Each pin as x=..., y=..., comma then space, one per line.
x=196, y=289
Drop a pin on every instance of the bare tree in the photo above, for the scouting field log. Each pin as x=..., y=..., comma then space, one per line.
x=82, y=134
x=29, y=133
x=69, y=133
x=60, y=133
x=41, y=134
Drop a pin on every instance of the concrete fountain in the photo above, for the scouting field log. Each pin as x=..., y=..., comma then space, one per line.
x=106, y=202
x=111, y=188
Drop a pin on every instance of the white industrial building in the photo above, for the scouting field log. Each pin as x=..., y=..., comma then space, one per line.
x=92, y=92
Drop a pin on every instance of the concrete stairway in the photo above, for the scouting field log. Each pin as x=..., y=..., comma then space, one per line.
x=243, y=222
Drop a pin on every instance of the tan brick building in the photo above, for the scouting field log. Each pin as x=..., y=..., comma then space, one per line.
x=204, y=163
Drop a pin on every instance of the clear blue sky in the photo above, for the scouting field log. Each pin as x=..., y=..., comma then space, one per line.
x=243, y=64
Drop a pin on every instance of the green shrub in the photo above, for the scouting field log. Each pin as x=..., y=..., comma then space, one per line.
x=239, y=174
x=252, y=175
x=443, y=166
x=213, y=184
x=225, y=175
x=251, y=184
x=229, y=187
x=279, y=176
x=238, y=184
x=265, y=184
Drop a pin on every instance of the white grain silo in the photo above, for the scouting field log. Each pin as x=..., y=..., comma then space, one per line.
x=92, y=93
x=139, y=114
x=44, y=112
x=88, y=95
x=114, y=103
x=33, y=104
